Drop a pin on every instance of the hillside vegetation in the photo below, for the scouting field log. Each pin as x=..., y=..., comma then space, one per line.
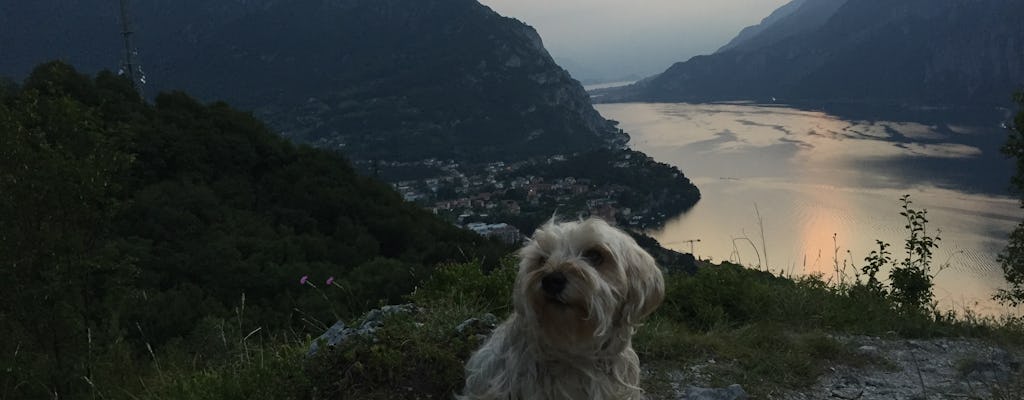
x=181, y=251
x=128, y=228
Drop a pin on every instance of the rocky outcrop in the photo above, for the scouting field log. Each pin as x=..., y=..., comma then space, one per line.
x=910, y=52
x=339, y=334
x=375, y=79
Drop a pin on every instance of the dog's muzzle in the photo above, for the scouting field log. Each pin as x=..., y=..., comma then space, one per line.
x=553, y=283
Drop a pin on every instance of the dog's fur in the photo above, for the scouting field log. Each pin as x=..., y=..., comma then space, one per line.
x=576, y=344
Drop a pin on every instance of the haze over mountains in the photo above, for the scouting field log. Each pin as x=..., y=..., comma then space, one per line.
x=912, y=52
x=378, y=79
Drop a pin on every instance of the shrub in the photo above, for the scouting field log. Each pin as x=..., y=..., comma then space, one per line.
x=467, y=283
x=912, y=279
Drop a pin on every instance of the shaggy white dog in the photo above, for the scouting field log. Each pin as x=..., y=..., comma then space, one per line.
x=582, y=289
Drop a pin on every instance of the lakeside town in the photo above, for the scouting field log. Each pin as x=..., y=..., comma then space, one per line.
x=507, y=199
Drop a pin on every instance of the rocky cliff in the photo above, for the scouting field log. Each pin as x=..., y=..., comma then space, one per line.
x=377, y=79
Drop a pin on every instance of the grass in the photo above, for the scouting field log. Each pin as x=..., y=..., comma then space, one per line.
x=765, y=332
x=419, y=356
x=764, y=358
x=268, y=371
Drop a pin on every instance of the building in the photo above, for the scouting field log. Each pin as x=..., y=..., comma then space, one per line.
x=503, y=232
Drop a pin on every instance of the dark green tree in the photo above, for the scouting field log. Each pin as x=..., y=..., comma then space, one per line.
x=1012, y=258
x=128, y=229
x=60, y=164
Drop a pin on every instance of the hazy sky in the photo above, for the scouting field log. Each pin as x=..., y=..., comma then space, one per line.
x=611, y=39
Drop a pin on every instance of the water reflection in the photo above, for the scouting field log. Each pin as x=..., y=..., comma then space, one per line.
x=826, y=188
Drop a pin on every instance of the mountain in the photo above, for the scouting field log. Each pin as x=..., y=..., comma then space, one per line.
x=391, y=79
x=795, y=17
x=910, y=52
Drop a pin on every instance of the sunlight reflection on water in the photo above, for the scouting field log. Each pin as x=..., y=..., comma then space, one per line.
x=826, y=188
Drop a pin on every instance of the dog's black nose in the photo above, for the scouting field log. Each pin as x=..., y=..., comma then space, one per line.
x=553, y=283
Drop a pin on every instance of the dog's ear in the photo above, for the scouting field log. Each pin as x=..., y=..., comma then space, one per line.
x=646, y=284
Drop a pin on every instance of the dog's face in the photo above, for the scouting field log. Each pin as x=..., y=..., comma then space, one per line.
x=585, y=284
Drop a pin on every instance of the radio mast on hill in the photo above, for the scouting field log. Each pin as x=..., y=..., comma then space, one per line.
x=130, y=65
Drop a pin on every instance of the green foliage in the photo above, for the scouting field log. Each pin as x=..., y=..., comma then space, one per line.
x=769, y=334
x=409, y=358
x=65, y=271
x=1012, y=258
x=154, y=251
x=124, y=226
x=766, y=332
x=875, y=261
x=419, y=356
x=264, y=371
x=912, y=279
x=220, y=359
x=380, y=279
x=468, y=283
x=729, y=296
x=1012, y=262
x=7, y=87
x=766, y=357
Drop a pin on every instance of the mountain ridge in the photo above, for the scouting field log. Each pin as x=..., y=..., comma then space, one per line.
x=914, y=52
x=794, y=18
x=384, y=79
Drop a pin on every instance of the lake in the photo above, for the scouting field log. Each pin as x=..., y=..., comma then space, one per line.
x=823, y=188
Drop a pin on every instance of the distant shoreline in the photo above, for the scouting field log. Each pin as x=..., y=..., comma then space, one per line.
x=607, y=85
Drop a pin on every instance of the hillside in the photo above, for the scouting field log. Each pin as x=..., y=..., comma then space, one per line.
x=793, y=18
x=180, y=250
x=913, y=52
x=125, y=226
x=377, y=79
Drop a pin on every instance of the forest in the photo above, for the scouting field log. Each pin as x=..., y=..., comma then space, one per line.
x=127, y=227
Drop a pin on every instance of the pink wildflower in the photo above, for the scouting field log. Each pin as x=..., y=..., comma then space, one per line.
x=330, y=280
x=305, y=278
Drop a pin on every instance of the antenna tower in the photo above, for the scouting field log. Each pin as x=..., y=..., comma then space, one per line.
x=130, y=66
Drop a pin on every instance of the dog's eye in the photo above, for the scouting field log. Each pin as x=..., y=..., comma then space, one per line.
x=593, y=257
x=542, y=260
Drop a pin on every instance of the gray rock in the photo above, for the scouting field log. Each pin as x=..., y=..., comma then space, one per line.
x=338, y=334
x=375, y=318
x=733, y=392
x=483, y=325
x=868, y=350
